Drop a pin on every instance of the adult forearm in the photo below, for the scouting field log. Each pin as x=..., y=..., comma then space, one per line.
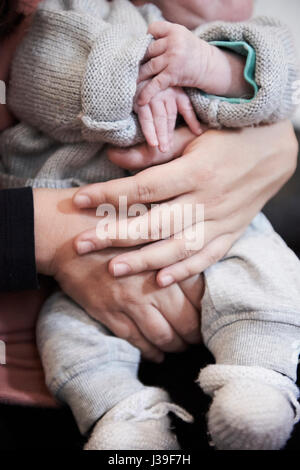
x=45, y=228
x=56, y=222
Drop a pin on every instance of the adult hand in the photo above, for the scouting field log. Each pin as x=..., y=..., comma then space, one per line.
x=232, y=172
x=134, y=308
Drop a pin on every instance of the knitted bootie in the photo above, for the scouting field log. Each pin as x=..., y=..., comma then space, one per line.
x=253, y=408
x=140, y=422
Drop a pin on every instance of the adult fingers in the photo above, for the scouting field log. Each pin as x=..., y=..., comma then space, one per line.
x=123, y=327
x=142, y=156
x=198, y=238
x=178, y=217
x=199, y=262
x=182, y=263
x=228, y=218
x=162, y=253
x=186, y=320
x=144, y=188
x=154, y=326
x=194, y=288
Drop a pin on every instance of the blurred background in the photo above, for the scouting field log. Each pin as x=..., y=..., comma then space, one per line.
x=284, y=209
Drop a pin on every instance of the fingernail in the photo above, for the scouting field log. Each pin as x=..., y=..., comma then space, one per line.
x=82, y=201
x=166, y=280
x=121, y=269
x=85, y=247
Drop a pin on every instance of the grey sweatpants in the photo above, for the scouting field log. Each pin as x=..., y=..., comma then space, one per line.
x=250, y=316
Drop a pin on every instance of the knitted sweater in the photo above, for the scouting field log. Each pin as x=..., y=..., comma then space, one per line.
x=73, y=82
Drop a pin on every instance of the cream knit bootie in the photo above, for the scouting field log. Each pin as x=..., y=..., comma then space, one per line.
x=140, y=422
x=253, y=408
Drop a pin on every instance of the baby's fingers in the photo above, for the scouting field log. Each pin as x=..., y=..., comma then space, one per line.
x=161, y=124
x=186, y=110
x=172, y=112
x=161, y=82
x=152, y=67
x=160, y=29
x=147, y=125
x=156, y=49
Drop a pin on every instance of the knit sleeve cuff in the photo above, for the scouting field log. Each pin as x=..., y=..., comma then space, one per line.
x=274, y=72
x=109, y=87
x=17, y=253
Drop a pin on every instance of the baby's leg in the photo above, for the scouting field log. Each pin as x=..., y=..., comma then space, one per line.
x=95, y=373
x=251, y=324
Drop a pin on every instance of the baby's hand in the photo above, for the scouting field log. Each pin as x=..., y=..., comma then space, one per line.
x=176, y=58
x=158, y=117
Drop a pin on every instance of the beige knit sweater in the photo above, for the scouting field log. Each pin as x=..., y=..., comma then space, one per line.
x=73, y=81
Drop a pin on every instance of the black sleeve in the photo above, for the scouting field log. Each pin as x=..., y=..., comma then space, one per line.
x=17, y=252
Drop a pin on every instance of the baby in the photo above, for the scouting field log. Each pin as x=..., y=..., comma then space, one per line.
x=86, y=57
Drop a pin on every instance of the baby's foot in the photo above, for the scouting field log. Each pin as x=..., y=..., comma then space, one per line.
x=253, y=408
x=140, y=422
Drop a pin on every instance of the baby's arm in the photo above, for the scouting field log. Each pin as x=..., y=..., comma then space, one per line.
x=74, y=75
x=178, y=57
x=265, y=56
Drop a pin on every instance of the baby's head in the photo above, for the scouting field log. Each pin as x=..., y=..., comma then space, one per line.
x=191, y=13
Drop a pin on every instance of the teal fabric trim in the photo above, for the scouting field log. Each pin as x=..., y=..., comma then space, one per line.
x=242, y=48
